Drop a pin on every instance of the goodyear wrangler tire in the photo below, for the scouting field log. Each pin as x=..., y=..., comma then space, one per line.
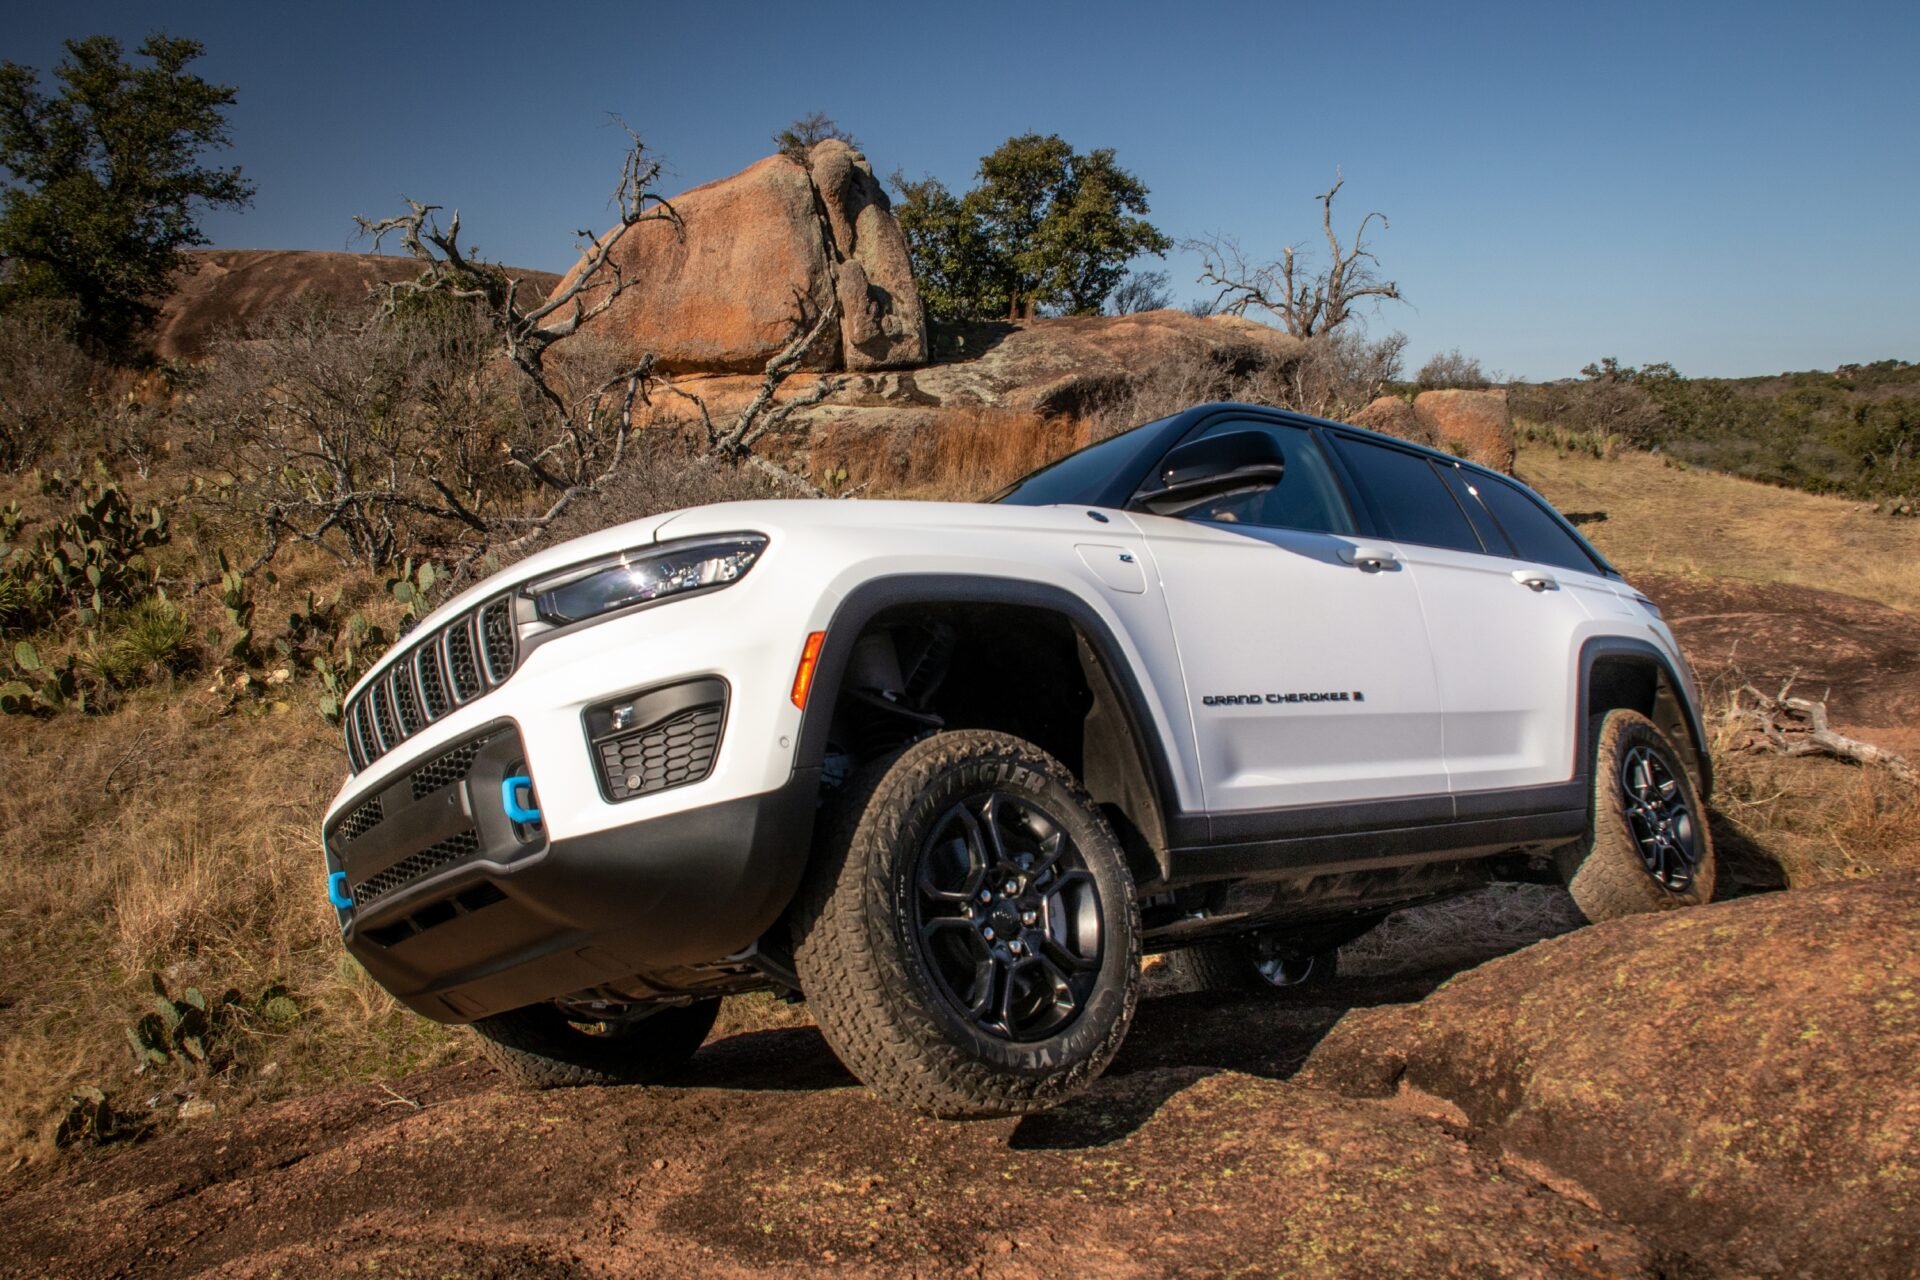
x=968, y=939
x=540, y=1047
x=1647, y=846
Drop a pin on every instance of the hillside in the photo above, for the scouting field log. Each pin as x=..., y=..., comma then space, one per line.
x=236, y=288
x=328, y=1129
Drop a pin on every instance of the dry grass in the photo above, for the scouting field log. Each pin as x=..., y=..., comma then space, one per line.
x=177, y=836
x=1673, y=519
x=955, y=455
x=1808, y=820
x=1461, y=931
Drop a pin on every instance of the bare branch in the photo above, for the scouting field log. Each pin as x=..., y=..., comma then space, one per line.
x=1800, y=727
x=1307, y=304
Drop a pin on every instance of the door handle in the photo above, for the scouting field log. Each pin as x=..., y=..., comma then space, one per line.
x=1369, y=559
x=1536, y=581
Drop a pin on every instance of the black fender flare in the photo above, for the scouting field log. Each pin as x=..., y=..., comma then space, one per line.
x=1601, y=647
x=877, y=595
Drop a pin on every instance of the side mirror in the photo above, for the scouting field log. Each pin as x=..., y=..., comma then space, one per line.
x=1222, y=466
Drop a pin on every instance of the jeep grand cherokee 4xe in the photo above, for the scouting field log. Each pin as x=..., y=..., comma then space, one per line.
x=1232, y=685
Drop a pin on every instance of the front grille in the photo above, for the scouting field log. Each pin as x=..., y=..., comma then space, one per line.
x=444, y=770
x=386, y=733
x=433, y=686
x=496, y=637
x=455, y=664
x=669, y=754
x=361, y=820
x=416, y=865
x=460, y=660
x=406, y=703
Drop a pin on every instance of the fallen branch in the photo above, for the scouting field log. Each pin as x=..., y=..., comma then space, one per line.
x=1799, y=727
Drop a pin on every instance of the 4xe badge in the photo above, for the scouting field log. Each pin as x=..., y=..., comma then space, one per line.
x=1265, y=699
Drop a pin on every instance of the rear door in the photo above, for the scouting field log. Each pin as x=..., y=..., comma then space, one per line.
x=1504, y=630
x=1305, y=663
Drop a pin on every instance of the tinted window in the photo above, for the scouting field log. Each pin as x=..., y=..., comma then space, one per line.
x=1308, y=497
x=1535, y=534
x=1079, y=476
x=1469, y=498
x=1408, y=496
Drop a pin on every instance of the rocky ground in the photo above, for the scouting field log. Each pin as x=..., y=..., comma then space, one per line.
x=1723, y=1092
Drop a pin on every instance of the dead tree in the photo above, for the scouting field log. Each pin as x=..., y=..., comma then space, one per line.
x=1798, y=727
x=1307, y=302
x=592, y=432
x=734, y=442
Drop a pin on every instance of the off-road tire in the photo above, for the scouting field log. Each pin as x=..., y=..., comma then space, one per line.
x=870, y=988
x=1233, y=966
x=539, y=1048
x=1605, y=872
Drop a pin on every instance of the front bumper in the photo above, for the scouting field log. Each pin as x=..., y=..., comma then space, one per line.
x=461, y=912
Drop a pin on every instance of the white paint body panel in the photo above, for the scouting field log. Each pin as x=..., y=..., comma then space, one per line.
x=1261, y=612
x=1504, y=654
x=751, y=633
x=1469, y=679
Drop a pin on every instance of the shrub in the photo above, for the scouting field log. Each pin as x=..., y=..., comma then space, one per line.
x=90, y=560
x=1450, y=370
x=374, y=439
x=48, y=385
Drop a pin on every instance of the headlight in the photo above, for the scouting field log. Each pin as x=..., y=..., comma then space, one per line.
x=646, y=573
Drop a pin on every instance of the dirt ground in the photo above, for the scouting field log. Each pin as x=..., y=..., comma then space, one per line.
x=1726, y=1091
x=1861, y=656
x=1196, y=1155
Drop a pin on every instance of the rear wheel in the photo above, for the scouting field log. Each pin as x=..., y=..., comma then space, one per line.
x=545, y=1047
x=1251, y=964
x=1647, y=846
x=968, y=941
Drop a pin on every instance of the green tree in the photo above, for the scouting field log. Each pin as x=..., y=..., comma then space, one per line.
x=798, y=138
x=103, y=180
x=953, y=263
x=1045, y=228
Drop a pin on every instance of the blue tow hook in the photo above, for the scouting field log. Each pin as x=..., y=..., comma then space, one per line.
x=510, y=799
x=337, y=891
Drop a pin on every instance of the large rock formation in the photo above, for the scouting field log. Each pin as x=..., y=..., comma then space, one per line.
x=756, y=258
x=1067, y=366
x=1736, y=1082
x=236, y=288
x=1473, y=424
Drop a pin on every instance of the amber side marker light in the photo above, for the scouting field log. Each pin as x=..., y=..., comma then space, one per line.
x=803, y=674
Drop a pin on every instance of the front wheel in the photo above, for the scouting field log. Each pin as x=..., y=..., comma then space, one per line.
x=545, y=1047
x=1647, y=846
x=968, y=940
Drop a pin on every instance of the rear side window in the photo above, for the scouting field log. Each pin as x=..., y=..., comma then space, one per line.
x=1468, y=497
x=1535, y=534
x=1408, y=496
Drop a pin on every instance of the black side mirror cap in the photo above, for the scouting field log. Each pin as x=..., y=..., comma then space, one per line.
x=1231, y=463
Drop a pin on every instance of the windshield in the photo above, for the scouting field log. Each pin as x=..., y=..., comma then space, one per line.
x=1085, y=475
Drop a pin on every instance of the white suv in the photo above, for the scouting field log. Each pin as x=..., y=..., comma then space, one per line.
x=1233, y=685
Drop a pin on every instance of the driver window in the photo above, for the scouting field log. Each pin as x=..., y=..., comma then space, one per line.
x=1307, y=498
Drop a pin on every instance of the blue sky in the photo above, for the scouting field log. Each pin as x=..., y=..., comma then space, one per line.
x=1734, y=188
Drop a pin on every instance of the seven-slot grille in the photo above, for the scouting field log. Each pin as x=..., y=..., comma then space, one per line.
x=457, y=663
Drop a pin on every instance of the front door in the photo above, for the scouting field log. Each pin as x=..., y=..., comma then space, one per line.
x=1305, y=658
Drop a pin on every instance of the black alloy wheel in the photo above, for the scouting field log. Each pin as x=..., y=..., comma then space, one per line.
x=1661, y=822
x=968, y=938
x=1008, y=917
x=1647, y=846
